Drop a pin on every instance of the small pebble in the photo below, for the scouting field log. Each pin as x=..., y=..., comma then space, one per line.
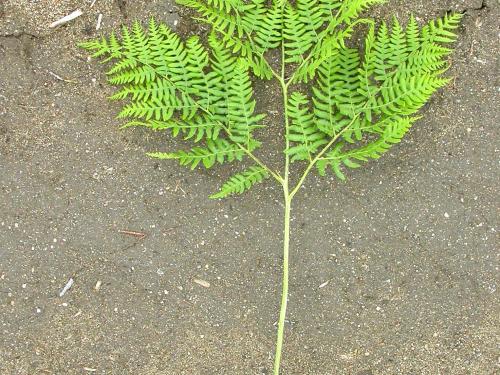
x=202, y=283
x=324, y=284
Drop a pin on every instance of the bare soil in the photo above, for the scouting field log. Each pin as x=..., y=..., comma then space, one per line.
x=409, y=245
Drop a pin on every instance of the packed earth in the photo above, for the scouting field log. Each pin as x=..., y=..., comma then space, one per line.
x=114, y=263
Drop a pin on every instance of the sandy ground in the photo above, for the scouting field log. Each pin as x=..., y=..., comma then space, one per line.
x=408, y=245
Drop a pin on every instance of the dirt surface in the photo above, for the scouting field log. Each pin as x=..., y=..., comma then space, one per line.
x=408, y=245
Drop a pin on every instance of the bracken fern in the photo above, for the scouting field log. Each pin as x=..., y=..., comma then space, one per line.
x=342, y=105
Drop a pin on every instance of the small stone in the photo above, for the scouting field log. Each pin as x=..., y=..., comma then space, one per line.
x=202, y=283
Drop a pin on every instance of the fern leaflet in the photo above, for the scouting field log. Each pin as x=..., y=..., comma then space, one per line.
x=241, y=182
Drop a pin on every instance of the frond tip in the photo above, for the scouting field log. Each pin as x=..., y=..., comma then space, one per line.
x=241, y=182
x=216, y=151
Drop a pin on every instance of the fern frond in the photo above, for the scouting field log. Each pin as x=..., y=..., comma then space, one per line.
x=207, y=97
x=305, y=137
x=224, y=65
x=216, y=151
x=241, y=106
x=351, y=9
x=404, y=95
x=313, y=15
x=329, y=42
x=268, y=25
x=196, y=129
x=441, y=30
x=399, y=73
x=298, y=37
x=381, y=47
x=393, y=132
x=222, y=18
x=129, y=57
x=205, y=86
x=413, y=38
x=398, y=50
x=324, y=101
x=104, y=47
x=430, y=58
x=360, y=104
x=242, y=182
x=335, y=95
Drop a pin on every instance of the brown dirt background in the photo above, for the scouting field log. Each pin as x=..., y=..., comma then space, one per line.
x=411, y=291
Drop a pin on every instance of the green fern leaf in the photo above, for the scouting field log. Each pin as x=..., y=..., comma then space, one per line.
x=304, y=135
x=241, y=182
x=298, y=38
x=403, y=95
x=398, y=50
x=268, y=27
x=225, y=19
x=392, y=133
x=413, y=38
x=350, y=9
x=216, y=151
x=241, y=106
x=198, y=128
x=336, y=97
x=441, y=30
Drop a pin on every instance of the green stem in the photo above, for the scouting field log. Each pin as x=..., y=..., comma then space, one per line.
x=286, y=229
x=288, y=195
x=284, y=291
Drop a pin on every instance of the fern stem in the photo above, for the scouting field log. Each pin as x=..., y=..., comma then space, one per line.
x=284, y=291
x=286, y=226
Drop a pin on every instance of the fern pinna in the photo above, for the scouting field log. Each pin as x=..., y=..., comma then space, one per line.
x=343, y=104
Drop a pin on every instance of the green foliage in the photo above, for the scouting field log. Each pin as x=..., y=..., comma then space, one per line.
x=219, y=150
x=241, y=182
x=343, y=104
x=305, y=137
x=361, y=102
